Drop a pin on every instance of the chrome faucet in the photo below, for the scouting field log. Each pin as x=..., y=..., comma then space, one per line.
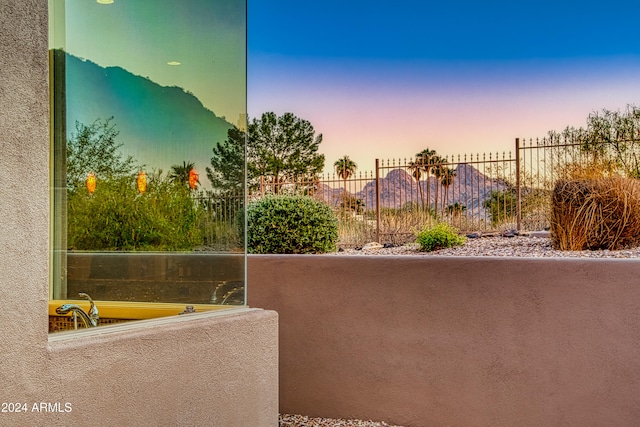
x=89, y=319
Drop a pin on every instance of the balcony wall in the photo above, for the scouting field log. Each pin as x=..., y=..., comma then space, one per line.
x=436, y=341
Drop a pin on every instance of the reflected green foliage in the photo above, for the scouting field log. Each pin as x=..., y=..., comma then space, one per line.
x=291, y=225
x=179, y=174
x=226, y=173
x=94, y=149
x=440, y=236
x=116, y=216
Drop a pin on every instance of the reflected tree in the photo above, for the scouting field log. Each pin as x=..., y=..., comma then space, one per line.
x=226, y=173
x=93, y=148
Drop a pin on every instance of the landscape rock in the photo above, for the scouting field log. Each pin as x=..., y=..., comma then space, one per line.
x=541, y=234
x=510, y=233
x=372, y=245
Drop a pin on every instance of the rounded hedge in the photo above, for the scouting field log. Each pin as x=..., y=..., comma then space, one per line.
x=290, y=225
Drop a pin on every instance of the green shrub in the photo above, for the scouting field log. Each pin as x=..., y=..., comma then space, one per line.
x=290, y=225
x=440, y=236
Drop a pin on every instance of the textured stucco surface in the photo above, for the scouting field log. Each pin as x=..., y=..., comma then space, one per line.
x=24, y=188
x=206, y=370
x=456, y=341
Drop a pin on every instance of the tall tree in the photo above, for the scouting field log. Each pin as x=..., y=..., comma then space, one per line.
x=416, y=172
x=278, y=148
x=430, y=162
x=446, y=179
x=283, y=149
x=345, y=167
x=612, y=138
x=227, y=164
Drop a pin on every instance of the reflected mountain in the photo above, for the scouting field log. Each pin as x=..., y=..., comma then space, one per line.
x=158, y=125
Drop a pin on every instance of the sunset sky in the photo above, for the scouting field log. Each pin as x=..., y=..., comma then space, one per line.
x=388, y=79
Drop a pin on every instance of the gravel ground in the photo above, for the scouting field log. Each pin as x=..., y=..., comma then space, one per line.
x=517, y=246
x=287, y=420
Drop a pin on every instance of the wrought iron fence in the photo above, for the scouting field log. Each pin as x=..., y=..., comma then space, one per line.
x=399, y=196
x=221, y=225
x=488, y=192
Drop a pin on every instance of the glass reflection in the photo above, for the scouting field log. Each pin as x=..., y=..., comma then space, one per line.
x=142, y=92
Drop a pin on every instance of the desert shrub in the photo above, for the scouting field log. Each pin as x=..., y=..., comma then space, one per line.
x=595, y=214
x=350, y=204
x=502, y=206
x=398, y=225
x=588, y=168
x=355, y=230
x=290, y=225
x=440, y=236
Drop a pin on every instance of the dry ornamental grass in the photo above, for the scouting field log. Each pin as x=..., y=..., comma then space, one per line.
x=596, y=214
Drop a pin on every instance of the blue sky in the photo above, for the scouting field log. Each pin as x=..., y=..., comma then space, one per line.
x=444, y=30
x=387, y=79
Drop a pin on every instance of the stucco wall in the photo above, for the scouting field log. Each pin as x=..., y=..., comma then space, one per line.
x=201, y=370
x=456, y=341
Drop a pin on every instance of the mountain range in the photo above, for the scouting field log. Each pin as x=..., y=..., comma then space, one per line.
x=158, y=125
x=398, y=188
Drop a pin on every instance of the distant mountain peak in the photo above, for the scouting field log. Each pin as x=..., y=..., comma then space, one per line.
x=158, y=125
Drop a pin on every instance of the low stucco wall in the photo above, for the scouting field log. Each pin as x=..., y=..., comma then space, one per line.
x=456, y=341
x=210, y=369
x=200, y=370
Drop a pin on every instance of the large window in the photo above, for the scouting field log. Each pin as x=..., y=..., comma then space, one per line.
x=142, y=92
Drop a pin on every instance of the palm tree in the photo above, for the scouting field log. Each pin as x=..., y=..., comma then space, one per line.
x=428, y=160
x=446, y=179
x=345, y=167
x=456, y=209
x=416, y=172
x=180, y=174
